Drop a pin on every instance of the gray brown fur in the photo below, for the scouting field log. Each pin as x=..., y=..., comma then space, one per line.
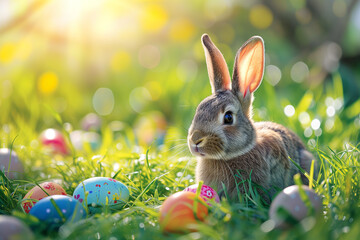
x=261, y=149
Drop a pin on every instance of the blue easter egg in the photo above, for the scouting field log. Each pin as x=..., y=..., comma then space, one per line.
x=98, y=192
x=48, y=210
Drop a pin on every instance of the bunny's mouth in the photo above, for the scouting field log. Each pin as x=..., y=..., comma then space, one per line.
x=196, y=150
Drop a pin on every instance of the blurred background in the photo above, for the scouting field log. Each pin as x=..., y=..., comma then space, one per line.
x=140, y=65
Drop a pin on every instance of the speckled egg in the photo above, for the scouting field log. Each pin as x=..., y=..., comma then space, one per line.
x=47, y=210
x=207, y=193
x=16, y=167
x=12, y=228
x=38, y=194
x=55, y=140
x=101, y=191
x=292, y=202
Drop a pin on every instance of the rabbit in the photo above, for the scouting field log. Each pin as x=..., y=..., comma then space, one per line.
x=225, y=139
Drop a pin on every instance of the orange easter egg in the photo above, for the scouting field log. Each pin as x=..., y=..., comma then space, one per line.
x=38, y=194
x=178, y=212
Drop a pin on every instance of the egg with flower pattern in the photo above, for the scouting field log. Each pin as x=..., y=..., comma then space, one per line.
x=98, y=192
x=38, y=193
x=206, y=193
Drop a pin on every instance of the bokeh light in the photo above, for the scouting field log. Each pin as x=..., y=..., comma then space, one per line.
x=121, y=61
x=304, y=118
x=261, y=16
x=154, y=18
x=332, y=54
x=103, y=101
x=273, y=74
x=7, y=52
x=48, y=83
x=289, y=110
x=182, y=30
x=315, y=124
x=339, y=8
x=299, y=72
x=138, y=99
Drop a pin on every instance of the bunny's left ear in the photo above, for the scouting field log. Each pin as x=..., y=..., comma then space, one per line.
x=249, y=66
x=217, y=69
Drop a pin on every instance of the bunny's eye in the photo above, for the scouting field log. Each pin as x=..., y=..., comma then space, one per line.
x=228, y=118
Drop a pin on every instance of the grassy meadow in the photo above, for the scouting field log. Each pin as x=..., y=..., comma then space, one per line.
x=140, y=67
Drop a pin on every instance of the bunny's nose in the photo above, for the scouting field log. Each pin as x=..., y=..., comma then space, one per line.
x=197, y=137
x=199, y=141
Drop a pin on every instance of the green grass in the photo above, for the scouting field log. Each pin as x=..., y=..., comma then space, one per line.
x=151, y=183
x=152, y=173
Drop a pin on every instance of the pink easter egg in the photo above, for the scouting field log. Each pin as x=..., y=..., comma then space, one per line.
x=207, y=193
x=55, y=140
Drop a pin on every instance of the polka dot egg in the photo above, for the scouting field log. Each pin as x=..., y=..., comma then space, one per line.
x=58, y=209
x=98, y=192
x=206, y=193
x=292, y=202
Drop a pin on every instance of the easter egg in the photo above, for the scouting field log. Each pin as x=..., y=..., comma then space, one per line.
x=291, y=201
x=38, y=194
x=98, y=192
x=12, y=228
x=206, y=193
x=79, y=138
x=151, y=128
x=91, y=122
x=7, y=157
x=177, y=212
x=55, y=140
x=47, y=210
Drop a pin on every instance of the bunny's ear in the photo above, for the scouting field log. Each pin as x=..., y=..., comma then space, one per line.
x=249, y=66
x=218, y=71
x=248, y=71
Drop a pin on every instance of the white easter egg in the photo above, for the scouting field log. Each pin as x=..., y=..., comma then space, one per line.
x=7, y=157
x=290, y=202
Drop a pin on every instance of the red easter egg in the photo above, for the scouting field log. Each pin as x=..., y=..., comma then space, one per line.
x=177, y=212
x=38, y=194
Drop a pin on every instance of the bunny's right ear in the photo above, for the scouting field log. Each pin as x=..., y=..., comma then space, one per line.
x=217, y=69
x=248, y=71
